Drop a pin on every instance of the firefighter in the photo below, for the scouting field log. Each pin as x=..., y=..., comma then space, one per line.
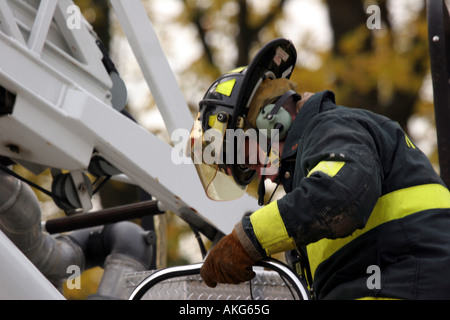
x=359, y=194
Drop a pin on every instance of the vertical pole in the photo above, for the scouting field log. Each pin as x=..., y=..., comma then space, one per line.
x=439, y=43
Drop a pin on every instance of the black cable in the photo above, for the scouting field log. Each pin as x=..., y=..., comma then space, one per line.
x=101, y=184
x=32, y=184
x=200, y=241
x=280, y=275
x=261, y=186
x=52, y=195
x=275, y=190
x=287, y=285
x=282, y=278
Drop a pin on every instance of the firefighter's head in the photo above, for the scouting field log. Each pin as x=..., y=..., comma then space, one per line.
x=241, y=106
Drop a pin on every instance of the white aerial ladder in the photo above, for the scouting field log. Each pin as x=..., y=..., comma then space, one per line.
x=63, y=114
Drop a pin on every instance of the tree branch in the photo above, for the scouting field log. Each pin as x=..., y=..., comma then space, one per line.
x=197, y=17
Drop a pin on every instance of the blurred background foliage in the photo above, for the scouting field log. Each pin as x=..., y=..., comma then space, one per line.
x=385, y=70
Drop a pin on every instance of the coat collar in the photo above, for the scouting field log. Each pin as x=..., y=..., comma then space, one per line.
x=311, y=108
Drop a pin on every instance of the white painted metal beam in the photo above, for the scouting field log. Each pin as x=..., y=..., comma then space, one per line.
x=19, y=278
x=147, y=161
x=154, y=65
x=9, y=24
x=41, y=25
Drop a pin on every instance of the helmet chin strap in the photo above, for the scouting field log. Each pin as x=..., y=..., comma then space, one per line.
x=278, y=126
x=262, y=186
x=261, y=191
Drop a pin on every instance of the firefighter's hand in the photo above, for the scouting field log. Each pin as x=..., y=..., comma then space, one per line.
x=228, y=262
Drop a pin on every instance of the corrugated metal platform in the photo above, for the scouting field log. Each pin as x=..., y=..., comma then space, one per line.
x=267, y=285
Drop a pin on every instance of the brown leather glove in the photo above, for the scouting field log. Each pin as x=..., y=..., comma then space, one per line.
x=228, y=262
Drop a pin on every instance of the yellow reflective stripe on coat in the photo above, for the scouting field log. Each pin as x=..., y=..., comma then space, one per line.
x=392, y=206
x=330, y=168
x=270, y=230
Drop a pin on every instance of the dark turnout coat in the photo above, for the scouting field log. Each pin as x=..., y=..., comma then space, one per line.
x=363, y=205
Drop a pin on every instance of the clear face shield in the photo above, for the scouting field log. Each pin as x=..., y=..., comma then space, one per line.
x=206, y=151
x=230, y=99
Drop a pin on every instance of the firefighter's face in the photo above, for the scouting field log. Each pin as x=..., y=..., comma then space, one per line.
x=256, y=158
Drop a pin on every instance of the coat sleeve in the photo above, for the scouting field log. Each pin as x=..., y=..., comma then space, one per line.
x=337, y=182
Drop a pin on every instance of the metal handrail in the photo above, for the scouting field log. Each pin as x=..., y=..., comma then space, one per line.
x=194, y=269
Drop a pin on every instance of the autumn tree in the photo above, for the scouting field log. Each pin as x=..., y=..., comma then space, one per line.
x=381, y=69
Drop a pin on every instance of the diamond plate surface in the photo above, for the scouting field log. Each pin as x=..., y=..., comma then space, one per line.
x=267, y=285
